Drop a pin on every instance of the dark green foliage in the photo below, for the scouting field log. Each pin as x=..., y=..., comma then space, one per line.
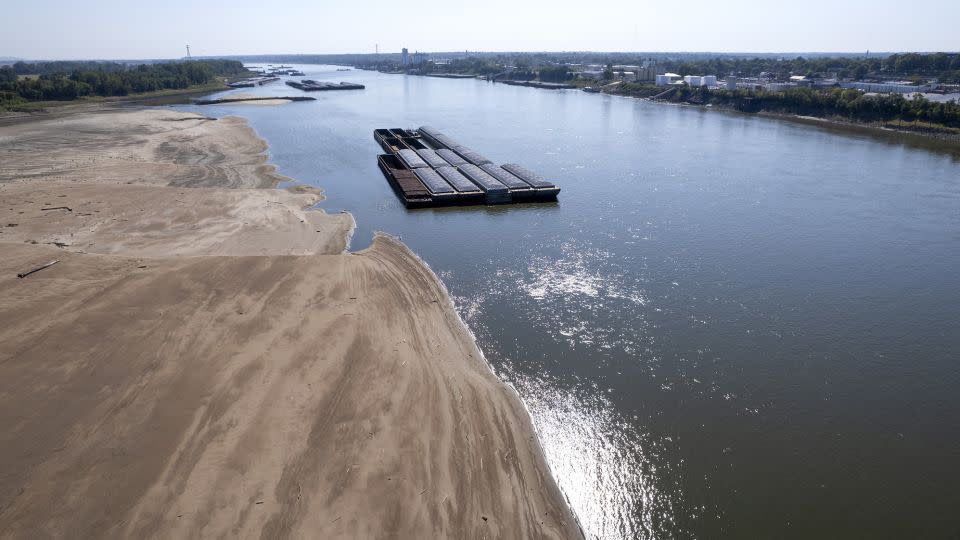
x=7, y=74
x=555, y=73
x=9, y=98
x=924, y=64
x=833, y=102
x=524, y=74
x=641, y=90
x=69, y=80
x=220, y=67
x=946, y=66
x=473, y=66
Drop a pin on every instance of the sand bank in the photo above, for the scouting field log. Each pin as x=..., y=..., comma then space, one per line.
x=207, y=362
x=154, y=221
x=261, y=102
x=250, y=99
x=157, y=147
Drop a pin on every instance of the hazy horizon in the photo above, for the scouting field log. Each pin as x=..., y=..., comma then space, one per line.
x=790, y=54
x=246, y=28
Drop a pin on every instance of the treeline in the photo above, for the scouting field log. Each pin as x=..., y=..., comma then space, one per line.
x=922, y=64
x=835, y=102
x=910, y=66
x=945, y=66
x=472, y=66
x=638, y=90
x=106, y=79
x=520, y=71
x=559, y=73
x=221, y=67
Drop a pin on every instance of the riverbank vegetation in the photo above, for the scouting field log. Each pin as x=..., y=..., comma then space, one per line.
x=638, y=90
x=24, y=83
x=915, y=113
x=906, y=66
x=911, y=66
x=848, y=103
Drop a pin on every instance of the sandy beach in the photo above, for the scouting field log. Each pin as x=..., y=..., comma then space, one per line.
x=206, y=359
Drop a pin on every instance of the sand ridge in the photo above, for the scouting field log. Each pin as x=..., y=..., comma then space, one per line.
x=154, y=146
x=208, y=362
x=154, y=221
x=245, y=98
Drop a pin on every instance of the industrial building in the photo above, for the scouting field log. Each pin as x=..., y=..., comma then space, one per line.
x=701, y=80
x=647, y=72
x=667, y=79
x=888, y=87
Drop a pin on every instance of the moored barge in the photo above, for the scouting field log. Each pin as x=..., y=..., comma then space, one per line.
x=428, y=168
x=310, y=85
x=406, y=184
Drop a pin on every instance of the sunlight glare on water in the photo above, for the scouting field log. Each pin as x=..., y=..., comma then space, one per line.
x=571, y=291
x=604, y=465
x=597, y=460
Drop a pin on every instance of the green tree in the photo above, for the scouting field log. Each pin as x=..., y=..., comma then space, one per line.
x=608, y=74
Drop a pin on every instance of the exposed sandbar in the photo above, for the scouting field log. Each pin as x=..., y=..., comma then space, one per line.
x=208, y=362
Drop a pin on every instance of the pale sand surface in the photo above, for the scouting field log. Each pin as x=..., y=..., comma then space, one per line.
x=207, y=362
x=263, y=102
x=256, y=100
x=154, y=147
x=154, y=221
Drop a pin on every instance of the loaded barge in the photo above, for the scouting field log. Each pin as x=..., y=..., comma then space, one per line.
x=250, y=83
x=427, y=168
x=310, y=85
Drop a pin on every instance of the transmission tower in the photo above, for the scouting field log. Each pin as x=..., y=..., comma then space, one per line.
x=188, y=53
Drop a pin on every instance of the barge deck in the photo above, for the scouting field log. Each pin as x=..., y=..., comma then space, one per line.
x=406, y=184
x=427, y=168
x=309, y=85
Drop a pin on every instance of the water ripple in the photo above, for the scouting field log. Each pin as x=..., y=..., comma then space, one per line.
x=604, y=466
x=613, y=474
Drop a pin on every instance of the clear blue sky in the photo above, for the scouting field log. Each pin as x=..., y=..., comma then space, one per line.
x=63, y=29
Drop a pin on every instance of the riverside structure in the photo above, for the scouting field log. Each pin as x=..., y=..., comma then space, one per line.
x=425, y=167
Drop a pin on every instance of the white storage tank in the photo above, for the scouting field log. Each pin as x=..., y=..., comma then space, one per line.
x=667, y=79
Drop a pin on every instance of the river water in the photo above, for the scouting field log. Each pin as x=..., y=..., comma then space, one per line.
x=728, y=326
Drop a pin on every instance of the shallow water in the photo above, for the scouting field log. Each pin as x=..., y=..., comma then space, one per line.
x=728, y=326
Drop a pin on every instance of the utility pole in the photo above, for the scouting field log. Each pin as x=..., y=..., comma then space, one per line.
x=188, y=53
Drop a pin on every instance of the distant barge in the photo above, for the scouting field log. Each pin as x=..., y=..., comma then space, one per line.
x=427, y=168
x=309, y=85
x=250, y=83
x=229, y=99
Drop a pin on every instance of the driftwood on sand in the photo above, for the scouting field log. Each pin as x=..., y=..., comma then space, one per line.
x=37, y=269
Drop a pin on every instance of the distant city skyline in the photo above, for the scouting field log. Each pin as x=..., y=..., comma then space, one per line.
x=111, y=29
